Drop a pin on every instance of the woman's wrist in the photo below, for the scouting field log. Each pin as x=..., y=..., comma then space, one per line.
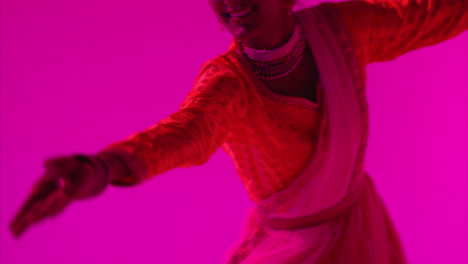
x=123, y=168
x=98, y=171
x=115, y=166
x=95, y=182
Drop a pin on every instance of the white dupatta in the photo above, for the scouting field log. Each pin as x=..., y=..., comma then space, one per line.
x=332, y=208
x=336, y=169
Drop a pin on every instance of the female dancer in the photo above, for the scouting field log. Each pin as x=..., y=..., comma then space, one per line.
x=287, y=102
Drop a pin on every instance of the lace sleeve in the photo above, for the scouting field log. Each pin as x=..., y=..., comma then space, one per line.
x=385, y=29
x=190, y=136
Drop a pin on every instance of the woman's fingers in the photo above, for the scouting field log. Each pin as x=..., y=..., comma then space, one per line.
x=49, y=196
x=39, y=192
x=44, y=208
x=25, y=221
x=35, y=213
x=56, y=203
x=22, y=218
x=22, y=221
x=58, y=206
x=38, y=206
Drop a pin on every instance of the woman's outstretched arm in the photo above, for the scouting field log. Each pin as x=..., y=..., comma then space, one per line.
x=385, y=29
x=186, y=138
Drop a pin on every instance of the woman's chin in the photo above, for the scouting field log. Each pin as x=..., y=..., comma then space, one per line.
x=242, y=33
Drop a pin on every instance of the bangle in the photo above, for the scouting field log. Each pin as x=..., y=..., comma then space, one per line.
x=101, y=175
x=136, y=168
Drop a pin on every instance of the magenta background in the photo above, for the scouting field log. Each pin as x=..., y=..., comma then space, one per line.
x=78, y=75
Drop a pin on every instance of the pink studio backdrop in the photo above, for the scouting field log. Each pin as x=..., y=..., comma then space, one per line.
x=78, y=75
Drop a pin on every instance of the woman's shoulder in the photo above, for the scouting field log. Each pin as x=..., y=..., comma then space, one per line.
x=225, y=64
x=220, y=73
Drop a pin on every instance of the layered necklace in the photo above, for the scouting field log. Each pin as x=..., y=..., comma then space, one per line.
x=277, y=63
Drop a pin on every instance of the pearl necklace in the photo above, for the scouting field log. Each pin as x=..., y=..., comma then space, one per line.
x=277, y=63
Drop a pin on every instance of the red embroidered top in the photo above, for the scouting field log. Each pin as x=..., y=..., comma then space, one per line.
x=270, y=137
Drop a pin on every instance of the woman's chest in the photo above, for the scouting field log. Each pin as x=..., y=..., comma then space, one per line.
x=301, y=82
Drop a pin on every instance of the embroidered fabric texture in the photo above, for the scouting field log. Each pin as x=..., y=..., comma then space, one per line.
x=354, y=42
x=259, y=132
x=259, y=129
x=419, y=24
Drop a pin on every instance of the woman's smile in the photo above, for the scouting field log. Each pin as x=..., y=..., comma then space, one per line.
x=241, y=14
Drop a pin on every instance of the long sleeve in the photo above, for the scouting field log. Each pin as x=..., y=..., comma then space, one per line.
x=211, y=110
x=385, y=29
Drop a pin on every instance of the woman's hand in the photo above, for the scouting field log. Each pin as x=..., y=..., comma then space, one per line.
x=65, y=179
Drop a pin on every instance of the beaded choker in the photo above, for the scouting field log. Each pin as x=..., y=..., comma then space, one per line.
x=277, y=63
